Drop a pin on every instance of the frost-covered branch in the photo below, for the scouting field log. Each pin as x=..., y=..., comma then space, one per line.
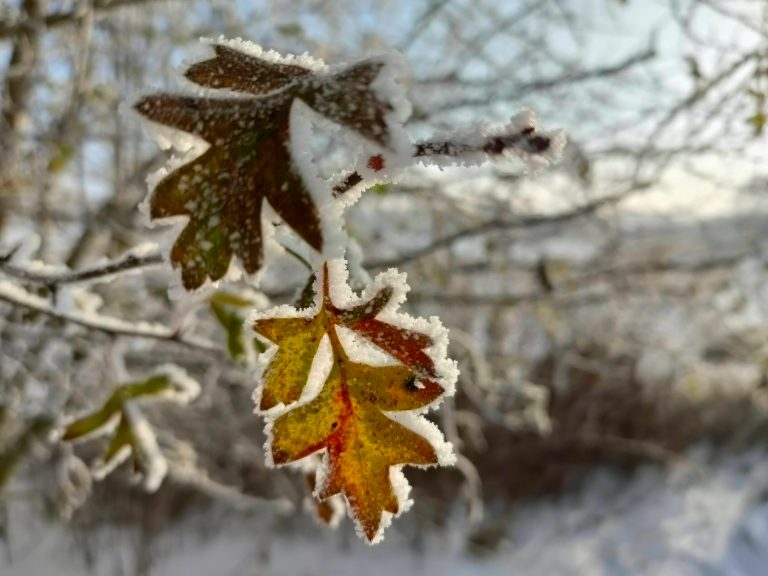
x=519, y=138
x=200, y=481
x=18, y=297
x=133, y=260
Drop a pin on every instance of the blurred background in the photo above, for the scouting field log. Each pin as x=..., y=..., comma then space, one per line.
x=608, y=314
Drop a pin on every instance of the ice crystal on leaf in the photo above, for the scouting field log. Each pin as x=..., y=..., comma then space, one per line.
x=250, y=157
x=347, y=415
x=132, y=435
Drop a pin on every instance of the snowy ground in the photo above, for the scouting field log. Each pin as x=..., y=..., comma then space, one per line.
x=705, y=518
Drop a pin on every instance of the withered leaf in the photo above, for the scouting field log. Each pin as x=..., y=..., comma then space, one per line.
x=249, y=156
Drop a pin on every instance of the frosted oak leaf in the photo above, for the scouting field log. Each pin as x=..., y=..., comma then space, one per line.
x=362, y=414
x=245, y=118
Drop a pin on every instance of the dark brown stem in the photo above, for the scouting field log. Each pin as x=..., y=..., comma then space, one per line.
x=526, y=140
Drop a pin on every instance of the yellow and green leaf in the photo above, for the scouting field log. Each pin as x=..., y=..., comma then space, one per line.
x=347, y=420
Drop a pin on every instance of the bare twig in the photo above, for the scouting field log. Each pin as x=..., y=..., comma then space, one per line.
x=506, y=224
x=568, y=78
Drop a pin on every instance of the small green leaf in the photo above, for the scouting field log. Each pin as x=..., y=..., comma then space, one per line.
x=233, y=326
x=758, y=123
x=228, y=299
x=291, y=30
x=228, y=309
x=133, y=436
x=60, y=158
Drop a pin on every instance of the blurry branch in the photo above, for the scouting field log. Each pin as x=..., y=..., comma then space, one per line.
x=526, y=141
x=10, y=29
x=119, y=202
x=647, y=268
x=500, y=23
x=183, y=469
x=125, y=263
x=507, y=224
x=20, y=298
x=530, y=415
x=66, y=132
x=692, y=99
x=18, y=83
x=626, y=446
x=567, y=292
x=200, y=481
x=132, y=261
x=422, y=23
x=11, y=455
x=624, y=271
x=538, y=85
x=555, y=81
x=16, y=92
x=472, y=489
x=742, y=19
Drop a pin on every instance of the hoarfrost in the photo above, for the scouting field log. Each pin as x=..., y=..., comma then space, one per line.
x=153, y=462
x=184, y=388
x=252, y=49
x=519, y=138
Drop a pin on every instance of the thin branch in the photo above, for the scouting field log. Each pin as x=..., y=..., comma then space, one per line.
x=547, y=83
x=114, y=326
x=125, y=263
x=572, y=292
x=525, y=141
x=200, y=481
x=627, y=446
x=64, y=18
x=506, y=224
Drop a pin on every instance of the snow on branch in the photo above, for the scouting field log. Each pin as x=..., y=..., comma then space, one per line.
x=142, y=256
x=519, y=138
x=21, y=298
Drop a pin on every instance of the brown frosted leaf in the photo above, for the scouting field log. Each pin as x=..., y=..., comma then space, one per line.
x=249, y=157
